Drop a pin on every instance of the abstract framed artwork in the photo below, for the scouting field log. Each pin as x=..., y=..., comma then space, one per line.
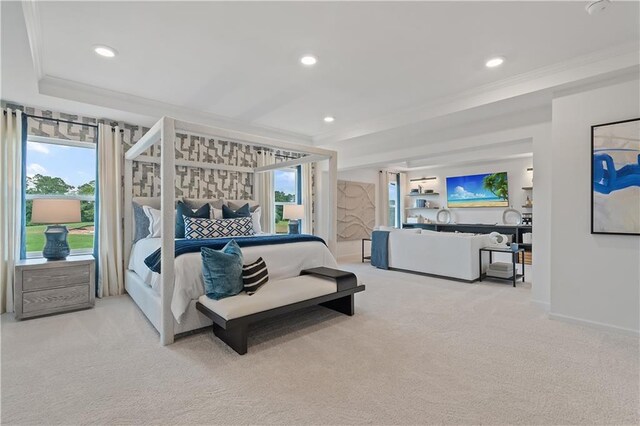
x=615, y=178
x=356, y=210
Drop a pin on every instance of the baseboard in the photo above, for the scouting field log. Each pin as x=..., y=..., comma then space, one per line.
x=595, y=324
x=545, y=306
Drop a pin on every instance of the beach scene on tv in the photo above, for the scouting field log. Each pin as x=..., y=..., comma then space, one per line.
x=483, y=190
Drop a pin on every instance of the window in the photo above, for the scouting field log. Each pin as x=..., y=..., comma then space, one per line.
x=287, y=191
x=394, y=200
x=64, y=169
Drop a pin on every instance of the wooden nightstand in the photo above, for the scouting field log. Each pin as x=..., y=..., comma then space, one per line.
x=46, y=287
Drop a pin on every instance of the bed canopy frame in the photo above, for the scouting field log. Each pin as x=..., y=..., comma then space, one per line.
x=163, y=133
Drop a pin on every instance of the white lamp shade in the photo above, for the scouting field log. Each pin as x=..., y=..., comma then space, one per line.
x=55, y=210
x=293, y=211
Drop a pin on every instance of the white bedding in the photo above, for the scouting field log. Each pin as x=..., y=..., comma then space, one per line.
x=283, y=261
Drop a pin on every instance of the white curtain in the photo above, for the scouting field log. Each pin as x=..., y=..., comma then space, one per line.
x=110, y=212
x=10, y=202
x=264, y=192
x=383, y=192
x=307, y=198
x=401, y=192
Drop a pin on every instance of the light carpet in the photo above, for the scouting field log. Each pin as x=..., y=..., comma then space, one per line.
x=419, y=350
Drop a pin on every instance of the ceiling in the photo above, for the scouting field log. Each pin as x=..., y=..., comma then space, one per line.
x=238, y=62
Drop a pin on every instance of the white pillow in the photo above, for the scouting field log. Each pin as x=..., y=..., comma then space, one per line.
x=255, y=217
x=216, y=213
x=155, y=220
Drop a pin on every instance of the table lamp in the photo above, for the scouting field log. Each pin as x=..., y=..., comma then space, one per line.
x=293, y=212
x=55, y=211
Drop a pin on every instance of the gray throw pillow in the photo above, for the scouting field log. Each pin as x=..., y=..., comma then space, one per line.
x=141, y=223
x=236, y=206
x=195, y=203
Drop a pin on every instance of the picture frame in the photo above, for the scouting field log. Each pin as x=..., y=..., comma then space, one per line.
x=615, y=178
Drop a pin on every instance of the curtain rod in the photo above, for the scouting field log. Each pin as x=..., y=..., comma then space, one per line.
x=57, y=120
x=281, y=155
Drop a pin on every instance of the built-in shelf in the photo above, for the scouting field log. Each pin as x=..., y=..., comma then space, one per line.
x=422, y=195
x=527, y=188
x=422, y=208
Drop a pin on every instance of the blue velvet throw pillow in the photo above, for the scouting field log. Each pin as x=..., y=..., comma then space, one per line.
x=182, y=210
x=229, y=213
x=222, y=271
x=142, y=223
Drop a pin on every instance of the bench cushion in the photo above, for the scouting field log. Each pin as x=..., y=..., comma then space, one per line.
x=272, y=295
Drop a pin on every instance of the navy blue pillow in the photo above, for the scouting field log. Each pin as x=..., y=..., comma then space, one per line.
x=203, y=212
x=222, y=271
x=229, y=213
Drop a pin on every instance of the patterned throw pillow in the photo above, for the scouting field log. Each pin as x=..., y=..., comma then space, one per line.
x=195, y=228
x=254, y=276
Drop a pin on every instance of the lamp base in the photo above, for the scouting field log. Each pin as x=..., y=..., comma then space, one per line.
x=294, y=227
x=56, y=246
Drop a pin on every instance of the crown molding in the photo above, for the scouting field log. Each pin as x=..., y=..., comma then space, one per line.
x=599, y=64
x=32, y=22
x=79, y=92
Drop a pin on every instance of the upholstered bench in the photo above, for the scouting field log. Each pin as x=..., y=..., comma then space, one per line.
x=231, y=316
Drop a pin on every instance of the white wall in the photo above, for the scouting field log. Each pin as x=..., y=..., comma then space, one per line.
x=594, y=278
x=541, y=265
x=517, y=174
x=353, y=248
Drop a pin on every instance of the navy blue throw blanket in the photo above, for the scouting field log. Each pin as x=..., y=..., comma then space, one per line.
x=380, y=249
x=194, y=246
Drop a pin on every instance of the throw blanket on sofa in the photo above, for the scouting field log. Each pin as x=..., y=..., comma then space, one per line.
x=193, y=246
x=380, y=249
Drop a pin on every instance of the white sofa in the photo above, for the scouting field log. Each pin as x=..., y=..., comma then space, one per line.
x=452, y=255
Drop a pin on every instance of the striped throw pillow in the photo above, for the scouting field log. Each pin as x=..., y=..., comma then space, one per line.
x=254, y=276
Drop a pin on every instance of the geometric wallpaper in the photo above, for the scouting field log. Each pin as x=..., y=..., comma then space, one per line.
x=190, y=182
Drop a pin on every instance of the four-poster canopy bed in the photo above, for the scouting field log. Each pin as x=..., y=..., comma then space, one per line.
x=158, y=307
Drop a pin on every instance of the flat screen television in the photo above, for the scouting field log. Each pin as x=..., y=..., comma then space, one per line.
x=483, y=190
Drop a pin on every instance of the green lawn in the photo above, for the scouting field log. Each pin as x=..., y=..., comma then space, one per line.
x=282, y=227
x=35, y=237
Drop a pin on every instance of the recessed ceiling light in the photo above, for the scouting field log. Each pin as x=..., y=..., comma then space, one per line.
x=329, y=119
x=106, y=51
x=494, y=62
x=308, y=60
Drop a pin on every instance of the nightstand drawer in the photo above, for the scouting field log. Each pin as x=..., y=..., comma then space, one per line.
x=49, y=301
x=36, y=279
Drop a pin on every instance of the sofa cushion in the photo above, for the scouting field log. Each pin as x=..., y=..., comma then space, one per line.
x=277, y=293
